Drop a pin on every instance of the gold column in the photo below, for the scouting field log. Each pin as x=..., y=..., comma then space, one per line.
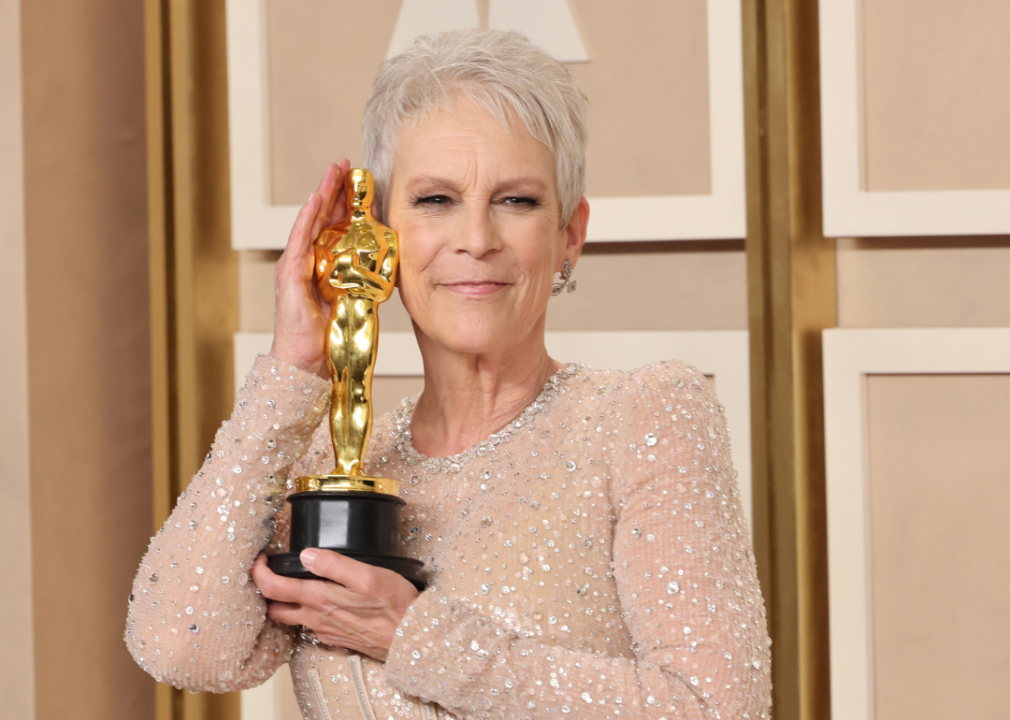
x=791, y=298
x=194, y=271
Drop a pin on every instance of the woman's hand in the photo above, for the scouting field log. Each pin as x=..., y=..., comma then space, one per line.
x=300, y=313
x=360, y=610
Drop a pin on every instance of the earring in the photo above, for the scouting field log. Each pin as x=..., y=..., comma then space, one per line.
x=566, y=279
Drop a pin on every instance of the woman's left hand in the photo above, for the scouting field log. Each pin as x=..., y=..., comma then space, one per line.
x=360, y=610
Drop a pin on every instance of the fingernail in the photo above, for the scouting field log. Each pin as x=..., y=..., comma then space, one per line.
x=308, y=556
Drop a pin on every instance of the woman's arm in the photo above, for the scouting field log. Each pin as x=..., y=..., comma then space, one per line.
x=196, y=620
x=685, y=575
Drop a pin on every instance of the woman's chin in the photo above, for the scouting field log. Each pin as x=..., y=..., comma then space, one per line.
x=472, y=344
x=467, y=337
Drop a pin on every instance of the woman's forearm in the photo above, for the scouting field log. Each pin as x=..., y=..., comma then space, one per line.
x=452, y=655
x=196, y=620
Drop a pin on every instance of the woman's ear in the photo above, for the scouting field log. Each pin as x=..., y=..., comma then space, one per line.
x=575, y=230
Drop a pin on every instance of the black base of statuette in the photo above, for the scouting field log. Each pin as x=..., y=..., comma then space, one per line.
x=362, y=525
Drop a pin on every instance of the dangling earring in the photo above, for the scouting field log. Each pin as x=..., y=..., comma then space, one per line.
x=566, y=279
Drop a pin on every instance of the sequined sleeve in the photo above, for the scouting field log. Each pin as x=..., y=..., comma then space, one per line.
x=196, y=619
x=685, y=576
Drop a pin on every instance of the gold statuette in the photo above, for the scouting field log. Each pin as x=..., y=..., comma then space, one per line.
x=356, y=262
x=347, y=511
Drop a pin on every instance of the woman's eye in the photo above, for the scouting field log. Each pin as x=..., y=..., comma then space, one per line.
x=521, y=200
x=433, y=200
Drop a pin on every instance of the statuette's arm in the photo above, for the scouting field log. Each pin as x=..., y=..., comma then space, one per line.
x=350, y=274
x=388, y=268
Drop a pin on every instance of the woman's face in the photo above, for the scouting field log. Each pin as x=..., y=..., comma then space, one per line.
x=478, y=215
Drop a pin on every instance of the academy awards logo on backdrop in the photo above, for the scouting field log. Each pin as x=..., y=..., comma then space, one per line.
x=548, y=23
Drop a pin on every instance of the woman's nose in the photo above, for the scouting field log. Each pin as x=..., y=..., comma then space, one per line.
x=478, y=234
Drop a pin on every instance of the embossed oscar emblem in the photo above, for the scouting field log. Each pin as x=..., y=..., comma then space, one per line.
x=347, y=511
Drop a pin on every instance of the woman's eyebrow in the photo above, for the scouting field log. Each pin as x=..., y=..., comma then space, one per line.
x=430, y=181
x=526, y=184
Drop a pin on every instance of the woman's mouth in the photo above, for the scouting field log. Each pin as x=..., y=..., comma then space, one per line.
x=481, y=288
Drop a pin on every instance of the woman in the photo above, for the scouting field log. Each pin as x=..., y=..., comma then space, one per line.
x=583, y=528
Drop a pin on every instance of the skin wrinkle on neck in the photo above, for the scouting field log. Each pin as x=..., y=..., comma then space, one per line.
x=452, y=416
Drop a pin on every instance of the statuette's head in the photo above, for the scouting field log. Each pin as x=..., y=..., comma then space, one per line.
x=360, y=187
x=477, y=141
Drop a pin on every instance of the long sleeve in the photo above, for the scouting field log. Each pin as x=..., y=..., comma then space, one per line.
x=686, y=583
x=196, y=620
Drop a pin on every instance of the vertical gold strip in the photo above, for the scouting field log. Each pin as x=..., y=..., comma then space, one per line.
x=215, y=264
x=194, y=272
x=159, y=203
x=791, y=298
x=206, y=267
x=181, y=116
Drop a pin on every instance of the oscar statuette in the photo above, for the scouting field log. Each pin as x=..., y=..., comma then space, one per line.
x=346, y=511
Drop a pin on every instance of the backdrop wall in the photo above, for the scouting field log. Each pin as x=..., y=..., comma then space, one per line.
x=72, y=78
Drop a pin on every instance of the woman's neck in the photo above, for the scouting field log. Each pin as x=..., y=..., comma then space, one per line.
x=468, y=397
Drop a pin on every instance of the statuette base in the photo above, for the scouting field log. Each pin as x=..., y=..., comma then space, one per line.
x=361, y=524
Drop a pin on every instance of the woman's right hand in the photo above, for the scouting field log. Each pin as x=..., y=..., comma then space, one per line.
x=300, y=312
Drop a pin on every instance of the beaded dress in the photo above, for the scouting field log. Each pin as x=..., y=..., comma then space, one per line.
x=590, y=559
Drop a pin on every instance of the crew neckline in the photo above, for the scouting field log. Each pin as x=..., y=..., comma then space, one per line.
x=404, y=442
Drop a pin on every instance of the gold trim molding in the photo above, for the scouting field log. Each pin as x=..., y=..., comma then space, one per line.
x=791, y=299
x=193, y=270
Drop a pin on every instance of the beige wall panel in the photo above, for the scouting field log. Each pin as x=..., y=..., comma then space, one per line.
x=656, y=286
x=647, y=82
x=285, y=698
x=17, y=683
x=936, y=78
x=256, y=290
x=939, y=473
x=685, y=286
x=932, y=282
x=322, y=56
x=388, y=391
x=88, y=344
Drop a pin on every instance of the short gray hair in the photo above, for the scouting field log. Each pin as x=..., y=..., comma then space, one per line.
x=504, y=74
